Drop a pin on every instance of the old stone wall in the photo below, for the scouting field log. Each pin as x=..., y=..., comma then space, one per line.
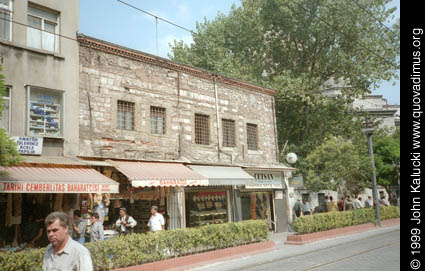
x=106, y=78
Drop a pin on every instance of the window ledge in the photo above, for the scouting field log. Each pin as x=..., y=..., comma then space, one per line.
x=35, y=50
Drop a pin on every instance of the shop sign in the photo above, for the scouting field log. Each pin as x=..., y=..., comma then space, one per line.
x=296, y=181
x=28, y=144
x=23, y=187
x=266, y=180
x=166, y=183
x=278, y=195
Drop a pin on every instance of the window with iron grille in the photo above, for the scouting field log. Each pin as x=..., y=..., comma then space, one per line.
x=228, y=133
x=202, y=129
x=252, y=136
x=157, y=120
x=125, y=118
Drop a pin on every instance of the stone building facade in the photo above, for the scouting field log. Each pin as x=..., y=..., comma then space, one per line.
x=110, y=74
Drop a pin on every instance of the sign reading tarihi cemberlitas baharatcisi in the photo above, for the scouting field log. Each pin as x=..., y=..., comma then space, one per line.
x=29, y=144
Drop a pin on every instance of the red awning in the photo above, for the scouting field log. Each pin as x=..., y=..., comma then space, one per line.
x=55, y=180
x=146, y=174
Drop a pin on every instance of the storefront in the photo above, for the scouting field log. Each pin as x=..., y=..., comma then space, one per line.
x=220, y=201
x=28, y=193
x=155, y=183
x=266, y=199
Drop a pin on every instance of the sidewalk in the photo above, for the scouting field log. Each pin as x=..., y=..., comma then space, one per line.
x=274, y=248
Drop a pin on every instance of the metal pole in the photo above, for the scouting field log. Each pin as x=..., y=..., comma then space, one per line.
x=374, y=190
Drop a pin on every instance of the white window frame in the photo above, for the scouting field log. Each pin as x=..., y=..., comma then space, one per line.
x=8, y=100
x=42, y=30
x=62, y=111
x=8, y=8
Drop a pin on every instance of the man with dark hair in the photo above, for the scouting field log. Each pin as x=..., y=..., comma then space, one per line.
x=96, y=232
x=156, y=221
x=63, y=253
x=79, y=228
x=125, y=223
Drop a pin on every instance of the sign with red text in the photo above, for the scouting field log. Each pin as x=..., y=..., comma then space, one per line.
x=46, y=187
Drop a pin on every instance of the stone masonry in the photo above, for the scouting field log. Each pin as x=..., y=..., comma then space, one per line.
x=109, y=73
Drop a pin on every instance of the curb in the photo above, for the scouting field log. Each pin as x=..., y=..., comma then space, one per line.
x=182, y=263
x=302, y=239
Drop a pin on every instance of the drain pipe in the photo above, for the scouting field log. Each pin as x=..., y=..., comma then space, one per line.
x=217, y=116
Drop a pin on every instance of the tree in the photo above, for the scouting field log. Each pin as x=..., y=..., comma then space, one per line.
x=302, y=48
x=387, y=151
x=8, y=152
x=336, y=163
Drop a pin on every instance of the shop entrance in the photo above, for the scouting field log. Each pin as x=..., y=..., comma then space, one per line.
x=258, y=205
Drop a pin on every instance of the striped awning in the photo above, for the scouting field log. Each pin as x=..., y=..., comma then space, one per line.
x=147, y=174
x=55, y=180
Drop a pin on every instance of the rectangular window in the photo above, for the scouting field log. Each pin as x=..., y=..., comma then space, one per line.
x=125, y=118
x=252, y=136
x=228, y=133
x=45, y=112
x=157, y=120
x=42, y=30
x=6, y=11
x=202, y=129
x=5, y=114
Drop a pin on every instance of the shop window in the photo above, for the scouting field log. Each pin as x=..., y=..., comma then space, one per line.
x=6, y=11
x=125, y=117
x=252, y=136
x=202, y=129
x=228, y=133
x=45, y=112
x=204, y=208
x=5, y=114
x=157, y=120
x=42, y=29
x=256, y=205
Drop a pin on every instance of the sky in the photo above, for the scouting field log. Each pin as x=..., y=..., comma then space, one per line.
x=115, y=22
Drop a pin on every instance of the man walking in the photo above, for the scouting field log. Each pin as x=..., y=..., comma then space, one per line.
x=156, y=221
x=125, y=223
x=297, y=208
x=79, y=228
x=63, y=253
x=96, y=232
x=357, y=203
x=306, y=207
x=368, y=203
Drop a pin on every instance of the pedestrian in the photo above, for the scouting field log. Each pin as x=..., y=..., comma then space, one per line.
x=332, y=205
x=348, y=204
x=125, y=223
x=297, y=208
x=63, y=253
x=341, y=205
x=156, y=221
x=306, y=207
x=384, y=201
x=357, y=203
x=79, y=226
x=96, y=231
x=368, y=203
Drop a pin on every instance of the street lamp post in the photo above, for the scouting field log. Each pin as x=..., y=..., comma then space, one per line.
x=369, y=131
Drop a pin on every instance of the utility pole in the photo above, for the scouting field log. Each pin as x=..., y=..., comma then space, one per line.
x=369, y=131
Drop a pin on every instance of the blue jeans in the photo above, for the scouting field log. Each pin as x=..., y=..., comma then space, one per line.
x=80, y=239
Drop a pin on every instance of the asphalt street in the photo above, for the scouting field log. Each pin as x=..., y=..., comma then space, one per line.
x=373, y=250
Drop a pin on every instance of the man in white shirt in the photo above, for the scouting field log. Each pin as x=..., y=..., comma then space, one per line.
x=156, y=221
x=357, y=203
x=63, y=253
x=125, y=223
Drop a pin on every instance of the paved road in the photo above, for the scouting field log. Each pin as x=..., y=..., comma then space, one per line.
x=374, y=251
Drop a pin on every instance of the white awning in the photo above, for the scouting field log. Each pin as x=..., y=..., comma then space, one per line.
x=220, y=175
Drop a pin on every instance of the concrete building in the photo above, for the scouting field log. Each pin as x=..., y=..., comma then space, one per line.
x=140, y=113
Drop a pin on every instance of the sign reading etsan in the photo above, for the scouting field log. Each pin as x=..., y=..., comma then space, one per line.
x=271, y=180
x=29, y=145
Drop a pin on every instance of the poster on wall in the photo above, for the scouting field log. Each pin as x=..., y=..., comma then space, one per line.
x=29, y=145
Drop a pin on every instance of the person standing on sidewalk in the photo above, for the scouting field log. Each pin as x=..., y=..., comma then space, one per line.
x=332, y=205
x=79, y=228
x=156, y=221
x=96, y=232
x=63, y=253
x=368, y=203
x=297, y=208
x=306, y=207
x=125, y=223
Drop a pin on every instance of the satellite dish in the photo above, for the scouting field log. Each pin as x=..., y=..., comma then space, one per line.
x=291, y=158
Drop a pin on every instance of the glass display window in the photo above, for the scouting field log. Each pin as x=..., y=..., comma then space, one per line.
x=209, y=207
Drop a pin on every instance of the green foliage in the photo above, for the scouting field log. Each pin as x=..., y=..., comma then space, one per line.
x=386, y=150
x=335, y=163
x=137, y=249
x=334, y=220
